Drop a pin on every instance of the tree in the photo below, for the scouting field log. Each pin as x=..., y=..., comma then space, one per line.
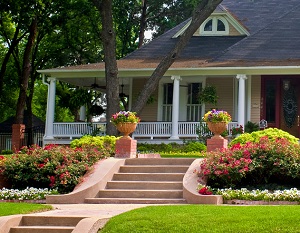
x=111, y=68
x=201, y=13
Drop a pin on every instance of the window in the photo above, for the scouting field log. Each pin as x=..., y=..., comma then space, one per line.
x=215, y=26
x=167, y=102
x=193, y=104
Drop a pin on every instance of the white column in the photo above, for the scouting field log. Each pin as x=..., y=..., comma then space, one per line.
x=82, y=113
x=241, y=99
x=50, y=108
x=175, y=107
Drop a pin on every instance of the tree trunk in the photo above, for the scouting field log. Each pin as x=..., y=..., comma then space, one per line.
x=143, y=23
x=26, y=68
x=201, y=13
x=12, y=46
x=111, y=68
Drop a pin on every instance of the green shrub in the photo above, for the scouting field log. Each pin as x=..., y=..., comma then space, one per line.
x=99, y=142
x=271, y=133
x=251, y=127
x=253, y=164
x=193, y=146
x=189, y=146
x=6, y=152
x=57, y=167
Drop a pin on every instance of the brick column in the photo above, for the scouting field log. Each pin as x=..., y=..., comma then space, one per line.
x=216, y=143
x=17, y=136
x=126, y=148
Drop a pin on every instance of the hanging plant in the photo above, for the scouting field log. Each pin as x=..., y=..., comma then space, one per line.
x=208, y=95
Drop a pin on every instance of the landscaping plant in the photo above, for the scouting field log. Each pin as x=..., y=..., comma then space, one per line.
x=271, y=133
x=255, y=163
x=107, y=143
x=56, y=167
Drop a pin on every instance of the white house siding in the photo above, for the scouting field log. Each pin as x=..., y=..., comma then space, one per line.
x=149, y=113
x=255, y=98
x=225, y=93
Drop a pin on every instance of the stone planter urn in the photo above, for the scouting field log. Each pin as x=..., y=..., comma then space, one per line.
x=217, y=128
x=126, y=128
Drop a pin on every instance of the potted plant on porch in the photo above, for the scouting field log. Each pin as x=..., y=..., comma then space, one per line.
x=125, y=122
x=217, y=121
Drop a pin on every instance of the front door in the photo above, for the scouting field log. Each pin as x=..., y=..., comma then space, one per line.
x=290, y=106
x=281, y=103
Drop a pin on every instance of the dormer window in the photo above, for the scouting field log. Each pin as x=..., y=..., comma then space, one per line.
x=214, y=26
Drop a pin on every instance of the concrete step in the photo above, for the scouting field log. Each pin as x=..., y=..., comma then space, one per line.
x=41, y=229
x=159, y=161
x=154, y=169
x=123, y=193
x=46, y=224
x=33, y=220
x=154, y=185
x=148, y=176
x=135, y=201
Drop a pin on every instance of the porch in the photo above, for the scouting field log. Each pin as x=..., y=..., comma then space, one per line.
x=150, y=132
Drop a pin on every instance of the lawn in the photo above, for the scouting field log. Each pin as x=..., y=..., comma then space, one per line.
x=21, y=208
x=207, y=218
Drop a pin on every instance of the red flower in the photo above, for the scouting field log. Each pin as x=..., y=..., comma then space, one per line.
x=205, y=191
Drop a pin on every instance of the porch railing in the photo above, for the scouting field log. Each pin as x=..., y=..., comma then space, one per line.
x=144, y=129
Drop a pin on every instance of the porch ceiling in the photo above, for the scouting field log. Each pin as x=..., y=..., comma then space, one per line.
x=87, y=77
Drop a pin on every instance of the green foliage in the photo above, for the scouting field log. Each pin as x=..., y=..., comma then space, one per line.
x=100, y=142
x=209, y=95
x=57, y=167
x=271, y=133
x=189, y=147
x=6, y=152
x=203, y=132
x=255, y=163
x=251, y=127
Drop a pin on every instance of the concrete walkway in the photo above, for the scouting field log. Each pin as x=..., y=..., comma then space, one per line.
x=90, y=210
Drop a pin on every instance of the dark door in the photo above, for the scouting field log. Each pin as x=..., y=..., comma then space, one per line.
x=290, y=106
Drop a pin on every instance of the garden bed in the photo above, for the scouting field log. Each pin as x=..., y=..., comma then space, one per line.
x=248, y=202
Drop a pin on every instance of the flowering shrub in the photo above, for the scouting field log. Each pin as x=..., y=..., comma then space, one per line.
x=26, y=194
x=204, y=190
x=217, y=116
x=252, y=164
x=53, y=166
x=2, y=160
x=124, y=116
x=237, y=130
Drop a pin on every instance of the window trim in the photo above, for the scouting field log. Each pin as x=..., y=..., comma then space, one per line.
x=214, y=31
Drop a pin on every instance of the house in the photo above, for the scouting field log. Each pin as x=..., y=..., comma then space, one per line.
x=248, y=49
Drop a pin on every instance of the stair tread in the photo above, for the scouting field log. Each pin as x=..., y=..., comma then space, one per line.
x=144, y=181
x=44, y=227
x=132, y=198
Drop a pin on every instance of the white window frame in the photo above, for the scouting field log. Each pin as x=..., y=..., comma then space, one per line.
x=214, y=31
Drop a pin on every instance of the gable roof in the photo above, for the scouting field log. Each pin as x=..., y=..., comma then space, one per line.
x=272, y=43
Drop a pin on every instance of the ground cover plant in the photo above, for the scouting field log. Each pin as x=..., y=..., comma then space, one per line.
x=29, y=193
x=206, y=218
x=22, y=208
x=56, y=167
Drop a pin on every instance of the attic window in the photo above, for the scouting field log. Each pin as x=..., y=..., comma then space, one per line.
x=215, y=26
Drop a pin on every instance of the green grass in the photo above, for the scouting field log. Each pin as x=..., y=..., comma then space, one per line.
x=207, y=219
x=7, y=208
